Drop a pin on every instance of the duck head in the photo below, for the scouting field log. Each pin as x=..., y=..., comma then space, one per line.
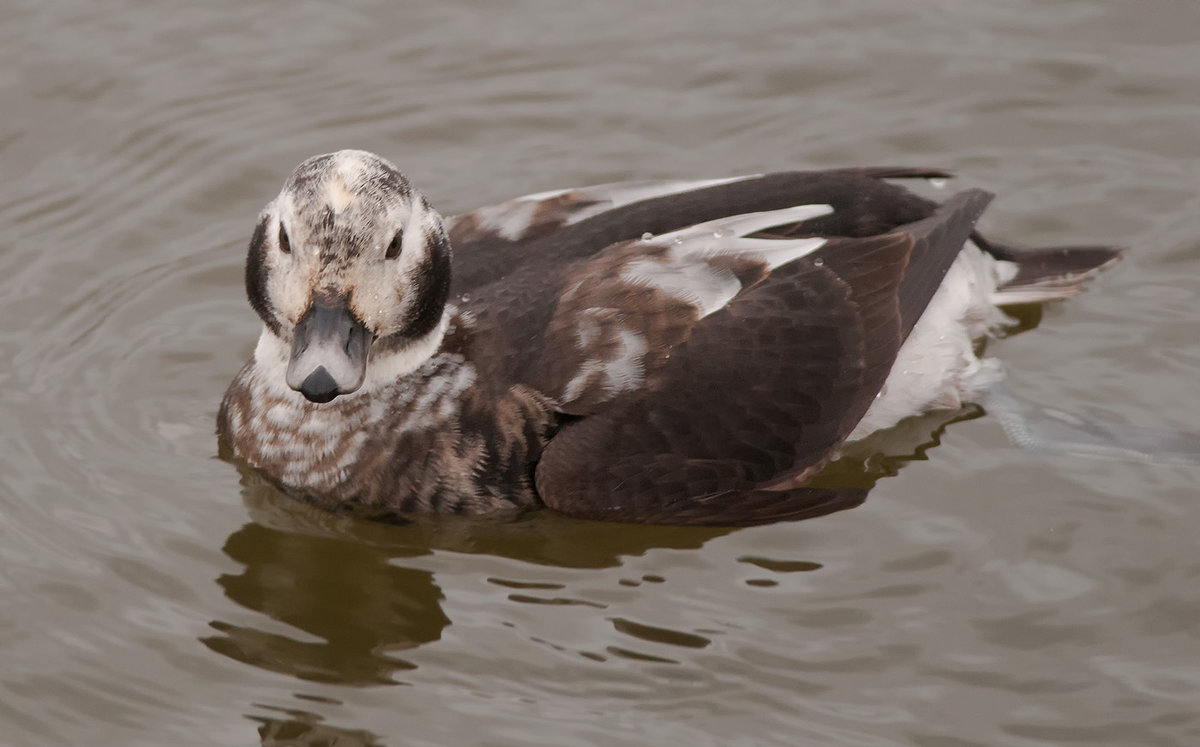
x=349, y=269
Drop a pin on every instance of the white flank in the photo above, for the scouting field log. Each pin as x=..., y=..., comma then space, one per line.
x=937, y=367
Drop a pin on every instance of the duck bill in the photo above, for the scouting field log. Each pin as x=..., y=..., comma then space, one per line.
x=329, y=352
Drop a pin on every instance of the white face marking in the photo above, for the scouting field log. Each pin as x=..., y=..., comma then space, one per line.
x=337, y=192
x=382, y=293
x=338, y=197
x=271, y=356
x=371, y=204
x=290, y=277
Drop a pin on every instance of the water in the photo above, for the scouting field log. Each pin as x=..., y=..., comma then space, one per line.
x=984, y=595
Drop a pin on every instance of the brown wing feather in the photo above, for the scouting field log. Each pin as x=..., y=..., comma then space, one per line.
x=763, y=391
x=577, y=224
x=726, y=414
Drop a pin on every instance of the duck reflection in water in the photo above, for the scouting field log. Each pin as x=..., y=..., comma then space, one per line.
x=355, y=603
x=349, y=583
x=302, y=728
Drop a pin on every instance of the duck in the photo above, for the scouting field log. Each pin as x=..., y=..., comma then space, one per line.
x=670, y=352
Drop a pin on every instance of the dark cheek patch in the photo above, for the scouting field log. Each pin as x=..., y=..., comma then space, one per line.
x=431, y=286
x=256, y=277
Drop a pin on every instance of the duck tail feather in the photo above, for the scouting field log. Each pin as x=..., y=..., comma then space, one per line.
x=906, y=172
x=1051, y=273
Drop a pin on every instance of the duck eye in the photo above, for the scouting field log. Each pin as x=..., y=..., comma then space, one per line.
x=285, y=246
x=393, y=249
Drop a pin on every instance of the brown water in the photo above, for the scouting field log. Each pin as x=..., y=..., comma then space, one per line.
x=984, y=596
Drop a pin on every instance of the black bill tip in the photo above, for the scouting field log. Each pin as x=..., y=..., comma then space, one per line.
x=319, y=386
x=330, y=347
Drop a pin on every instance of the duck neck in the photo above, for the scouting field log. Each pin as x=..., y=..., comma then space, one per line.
x=396, y=356
x=389, y=358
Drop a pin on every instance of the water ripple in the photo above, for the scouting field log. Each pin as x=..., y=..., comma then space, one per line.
x=983, y=597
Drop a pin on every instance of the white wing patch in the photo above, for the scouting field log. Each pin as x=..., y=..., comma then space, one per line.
x=623, y=372
x=700, y=284
x=727, y=236
x=619, y=194
x=684, y=272
x=689, y=265
x=513, y=219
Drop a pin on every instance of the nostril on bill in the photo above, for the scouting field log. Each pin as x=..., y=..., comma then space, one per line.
x=319, y=386
x=352, y=338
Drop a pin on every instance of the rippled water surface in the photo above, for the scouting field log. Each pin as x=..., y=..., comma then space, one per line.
x=983, y=596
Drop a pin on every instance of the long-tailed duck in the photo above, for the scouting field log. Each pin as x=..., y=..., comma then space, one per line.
x=685, y=352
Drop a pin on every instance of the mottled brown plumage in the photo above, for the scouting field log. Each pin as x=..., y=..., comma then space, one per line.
x=672, y=352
